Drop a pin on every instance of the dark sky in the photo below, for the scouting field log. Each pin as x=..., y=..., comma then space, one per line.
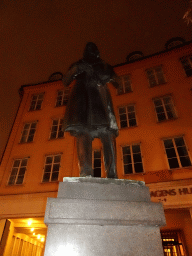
x=40, y=37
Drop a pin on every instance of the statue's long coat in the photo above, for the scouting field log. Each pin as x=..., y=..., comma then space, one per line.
x=90, y=106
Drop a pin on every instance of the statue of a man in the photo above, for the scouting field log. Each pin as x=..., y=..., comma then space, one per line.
x=89, y=112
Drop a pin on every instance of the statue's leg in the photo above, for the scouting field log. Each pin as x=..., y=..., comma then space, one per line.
x=109, y=148
x=84, y=152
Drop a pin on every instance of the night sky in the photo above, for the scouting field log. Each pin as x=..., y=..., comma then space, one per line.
x=40, y=37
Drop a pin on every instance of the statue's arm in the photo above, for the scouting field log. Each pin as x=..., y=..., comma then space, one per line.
x=70, y=75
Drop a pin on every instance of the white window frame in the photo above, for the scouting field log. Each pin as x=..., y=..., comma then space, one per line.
x=155, y=74
x=18, y=170
x=164, y=107
x=64, y=97
x=58, y=126
x=127, y=116
x=132, y=158
x=28, y=132
x=36, y=101
x=52, y=164
x=123, y=84
x=176, y=152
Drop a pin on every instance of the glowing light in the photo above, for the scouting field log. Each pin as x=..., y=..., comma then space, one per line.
x=67, y=250
x=32, y=229
x=34, y=234
x=29, y=222
x=38, y=236
x=42, y=239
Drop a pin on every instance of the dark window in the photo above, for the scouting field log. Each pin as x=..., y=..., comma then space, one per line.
x=187, y=65
x=127, y=116
x=177, y=153
x=132, y=159
x=51, y=168
x=155, y=76
x=125, y=85
x=56, y=129
x=62, y=97
x=164, y=108
x=28, y=132
x=18, y=171
x=36, y=102
x=97, y=163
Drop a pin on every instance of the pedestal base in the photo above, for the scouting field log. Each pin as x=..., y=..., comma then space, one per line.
x=93, y=216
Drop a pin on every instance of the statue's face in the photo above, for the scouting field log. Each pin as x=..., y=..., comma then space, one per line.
x=91, y=52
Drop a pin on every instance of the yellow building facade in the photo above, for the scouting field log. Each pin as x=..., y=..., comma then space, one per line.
x=153, y=108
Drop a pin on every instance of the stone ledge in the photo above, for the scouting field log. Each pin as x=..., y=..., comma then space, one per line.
x=89, y=212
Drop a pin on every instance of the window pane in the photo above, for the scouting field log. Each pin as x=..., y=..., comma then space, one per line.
x=137, y=158
x=132, y=122
x=136, y=148
x=22, y=171
x=16, y=163
x=173, y=163
x=161, y=117
x=12, y=180
x=97, y=154
x=38, y=107
x=123, y=117
x=57, y=159
x=56, y=168
x=170, y=152
x=182, y=151
x=126, y=150
x=123, y=124
x=127, y=159
x=179, y=141
x=14, y=171
x=157, y=102
x=185, y=161
x=54, y=176
x=49, y=159
x=122, y=110
x=24, y=162
x=30, y=138
x=53, y=135
x=97, y=172
x=131, y=115
x=128, y=169
x=46, y=177
x=60, y=134
x=160, y=109
x=97, y=163
x=20, y=179
x=47, y=168
x=168, y=143
x=138, y=167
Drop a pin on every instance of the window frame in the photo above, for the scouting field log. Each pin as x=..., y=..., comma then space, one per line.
x=123, y=84
x=164, y=108
x=155, y=75
x=127, y=118
x=187, y=57
x=176, y=152
x=51, y=172
x=28, y=132
x=101, y=159
x=57, y=132
x=63, y=96
x=132, y=159
x=18, y=170
x=36, y=94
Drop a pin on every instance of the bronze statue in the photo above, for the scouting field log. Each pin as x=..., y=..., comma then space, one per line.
x=89, y=112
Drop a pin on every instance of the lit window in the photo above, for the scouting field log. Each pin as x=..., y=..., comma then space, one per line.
x=36, y=102
x=18, y=171
x=28, y=132
x=125, y=85
x=51, y=168
x=155, y=76
x=132, y=159
x=177, y=153
x=127, y=116
x=172, y=243
x=187, y=65
x=97, y=163
x=62, y=97
x=56, y=129
x=164, y=108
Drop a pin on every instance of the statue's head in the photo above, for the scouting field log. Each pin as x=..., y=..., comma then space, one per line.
x=91, y=52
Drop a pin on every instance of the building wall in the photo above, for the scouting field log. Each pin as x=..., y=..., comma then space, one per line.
x=29, y=199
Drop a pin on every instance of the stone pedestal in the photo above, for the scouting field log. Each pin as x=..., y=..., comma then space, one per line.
x=104, y=217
